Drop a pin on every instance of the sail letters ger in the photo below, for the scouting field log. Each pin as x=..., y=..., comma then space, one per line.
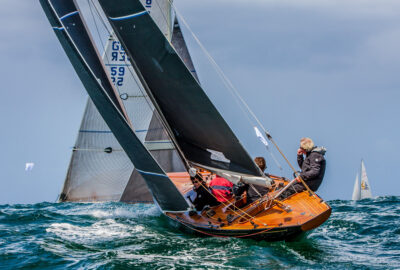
x=68, y=18
x=95, y=174
x=199, y=130
x=163, y=190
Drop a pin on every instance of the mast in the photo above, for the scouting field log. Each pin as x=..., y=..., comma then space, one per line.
x=195, y=125
x=69, y=27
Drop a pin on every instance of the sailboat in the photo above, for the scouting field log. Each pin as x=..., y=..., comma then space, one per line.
x=362, y=190
x=203, y=140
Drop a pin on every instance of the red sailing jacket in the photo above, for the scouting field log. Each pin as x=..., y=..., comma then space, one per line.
x=221, y=188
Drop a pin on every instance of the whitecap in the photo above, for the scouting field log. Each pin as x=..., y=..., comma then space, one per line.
x=105, y=230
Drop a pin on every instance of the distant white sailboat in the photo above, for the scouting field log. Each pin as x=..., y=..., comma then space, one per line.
x=362, y=190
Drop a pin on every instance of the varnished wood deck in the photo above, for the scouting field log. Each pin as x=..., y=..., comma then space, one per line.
x=300, y=211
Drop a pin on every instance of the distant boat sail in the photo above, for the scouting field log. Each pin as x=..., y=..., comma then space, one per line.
x=356, y=189
x=362, y=190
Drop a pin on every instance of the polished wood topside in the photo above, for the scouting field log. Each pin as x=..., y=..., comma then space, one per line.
x=301, y=209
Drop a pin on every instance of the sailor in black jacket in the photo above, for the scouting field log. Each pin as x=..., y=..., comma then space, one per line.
x=313, y=165
x=201, y=195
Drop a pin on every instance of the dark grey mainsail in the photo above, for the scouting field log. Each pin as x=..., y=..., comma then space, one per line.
x=200, y=132
x=64, y=16
x=157, y=139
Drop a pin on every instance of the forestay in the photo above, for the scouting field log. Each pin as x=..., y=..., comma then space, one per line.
x=65, y=18
x=198, y=129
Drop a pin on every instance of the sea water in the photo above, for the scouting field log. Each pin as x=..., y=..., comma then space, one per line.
x=358, y=235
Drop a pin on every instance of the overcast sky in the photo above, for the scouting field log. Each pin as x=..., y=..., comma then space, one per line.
x=324, y=69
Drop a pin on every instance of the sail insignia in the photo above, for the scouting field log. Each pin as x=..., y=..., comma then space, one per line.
x=218, y=156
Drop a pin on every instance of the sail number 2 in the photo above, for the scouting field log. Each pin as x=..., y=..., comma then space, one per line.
x=117, y=70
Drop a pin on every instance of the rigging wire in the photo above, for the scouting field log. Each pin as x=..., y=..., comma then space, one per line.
x=235, y=92
x=228, y=84
x=106, y=55
x=134, y=76
x=225, y=80
x=234, y=206
x=142, y=90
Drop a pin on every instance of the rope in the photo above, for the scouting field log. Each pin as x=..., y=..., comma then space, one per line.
x=138, y=84
x=235, y=207
x=288, y=162
x=134, y=76
x=236, y=95
x=228, y=84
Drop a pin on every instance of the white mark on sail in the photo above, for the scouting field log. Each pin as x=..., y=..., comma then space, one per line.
x=218, y=156
x=128, y=16
x=69, y=14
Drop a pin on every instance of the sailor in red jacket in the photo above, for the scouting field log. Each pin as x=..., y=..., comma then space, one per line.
x=221, y=189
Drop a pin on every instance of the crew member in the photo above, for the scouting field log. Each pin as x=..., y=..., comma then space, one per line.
x=313, y=165
x=221, y=189
x=202, y=195
x=255, y=191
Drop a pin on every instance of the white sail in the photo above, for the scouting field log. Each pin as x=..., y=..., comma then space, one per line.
x=99, y=169
x=356, y=189
x=161, y=12
x=365, y=187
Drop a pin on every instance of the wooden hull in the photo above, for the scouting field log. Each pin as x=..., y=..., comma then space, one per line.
x=284, y=220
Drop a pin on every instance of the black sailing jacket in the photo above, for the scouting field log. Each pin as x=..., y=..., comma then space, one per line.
x=313, y=167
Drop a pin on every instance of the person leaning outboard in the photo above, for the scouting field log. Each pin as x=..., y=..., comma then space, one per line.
x=313, y=165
